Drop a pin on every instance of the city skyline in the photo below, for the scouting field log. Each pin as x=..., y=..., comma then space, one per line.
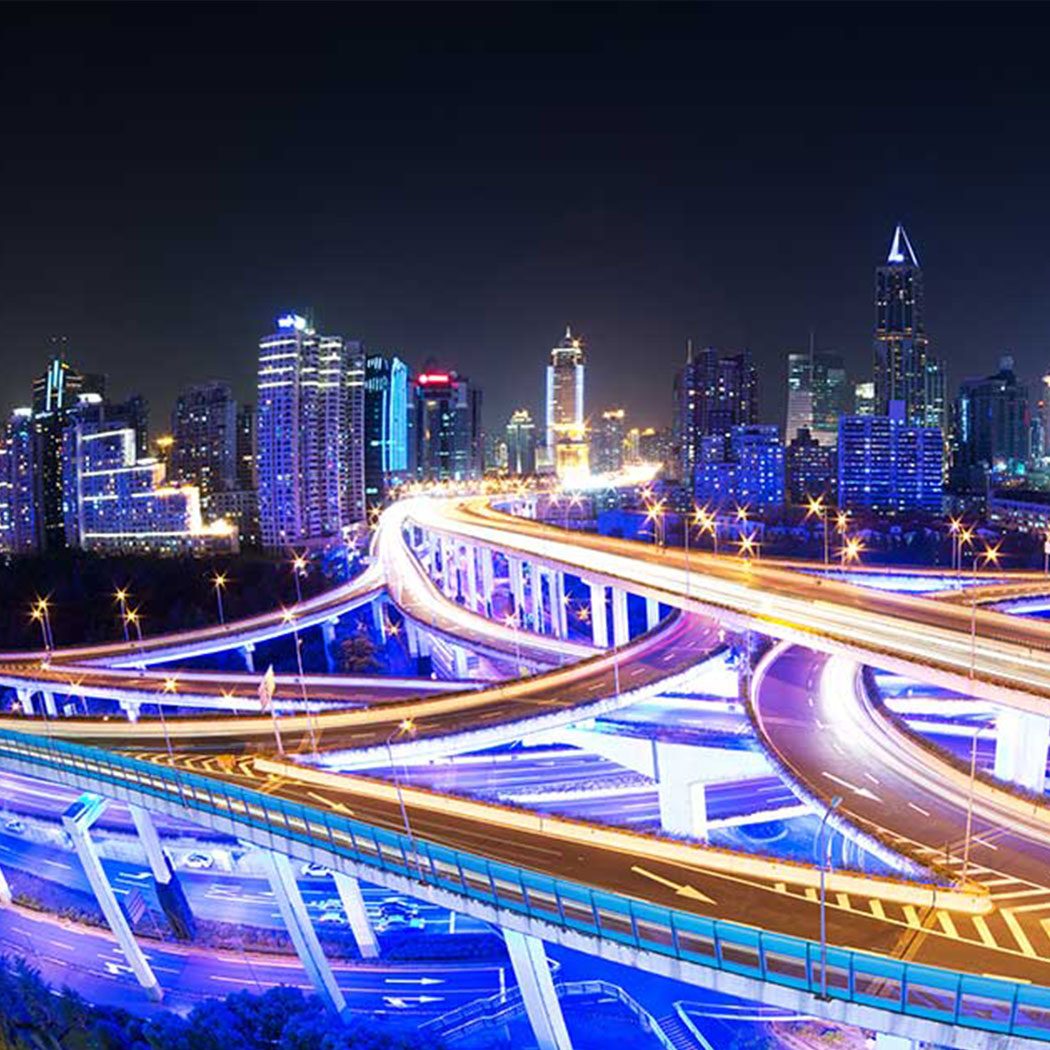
x=483, y=261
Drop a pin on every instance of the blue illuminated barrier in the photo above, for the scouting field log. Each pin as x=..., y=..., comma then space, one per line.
x=928, y=992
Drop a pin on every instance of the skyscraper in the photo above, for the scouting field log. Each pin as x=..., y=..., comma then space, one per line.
x=57, y=394
x=309, y=435
x=817, y=394
x=887, y=464
x=521, y=443
x=18, y=533
x=204, y=439
x=607, y=441
x=714, y=392
x=449, y=442
x=246, y=477
x=747, y=471
x=386, y=425
x=808, y=468
x=904, y=367
x=566, y=426
x=992, y=426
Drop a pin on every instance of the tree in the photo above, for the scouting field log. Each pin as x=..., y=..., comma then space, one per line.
x=357, y=654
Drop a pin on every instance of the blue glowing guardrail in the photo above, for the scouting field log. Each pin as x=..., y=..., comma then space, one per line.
x=992, y=1004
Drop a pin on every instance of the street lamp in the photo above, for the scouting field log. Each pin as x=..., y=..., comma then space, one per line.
x=404, y=726
x=747, y=546
x=834, y=804
x=287, y=616
x=851, y=550
x=298, y=569
x=132, y=617
x=818, y=508
x=219, y=582
x=121, y=595
x=170, y=686
x=955, y=527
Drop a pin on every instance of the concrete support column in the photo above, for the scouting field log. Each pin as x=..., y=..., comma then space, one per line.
x=517, y=588
x=77, y=819
x=328, y=640
x=459, y=662
x=599, y=618
x=681, y=790
x=304, y=937
x=248, y=652
x=559, y=609
x=621, y=627
x=449, y=575
x=378, y=608
x=488, y=578
x=539, y=601
x=5, y=890
x=470, y=563
x=130, y=709
x=411, y=637
x=528, y=957
x=652, y=613
x=356, y=914
x=150, y=841
x=49, y=703
x=1021, y=742
x=25, y=700
x=885, y=1041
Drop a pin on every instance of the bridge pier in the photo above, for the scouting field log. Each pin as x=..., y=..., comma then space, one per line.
x=304, y=936
x=1021, y=743
x=470, y=565
x=5, y=890
x=599, y=616
x=328, y=640
x=77, y=821
x=528, y=957
x=150, y=842
x=559, y=610
x=378, y=609
x=130, y=709
x=517, y=588
x=488, y=579
x=248, y=654
x=621, y=626
x=652, y=613
x=49, y=703
x=354, y=906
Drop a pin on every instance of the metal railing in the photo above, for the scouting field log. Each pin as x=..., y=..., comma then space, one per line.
x=495, y=1010
x=971, y=1001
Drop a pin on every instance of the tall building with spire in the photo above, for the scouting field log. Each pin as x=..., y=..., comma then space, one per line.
x=566, y=439
x=905, y=370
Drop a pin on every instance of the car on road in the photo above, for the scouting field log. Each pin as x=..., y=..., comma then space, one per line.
x=315, y=871
x=397, y=913
x=199, y=861
x=15, y=826
x=331, y=918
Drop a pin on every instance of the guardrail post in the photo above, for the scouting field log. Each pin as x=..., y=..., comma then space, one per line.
x=528, y=957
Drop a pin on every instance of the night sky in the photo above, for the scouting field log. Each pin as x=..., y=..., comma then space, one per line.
x=463, y=181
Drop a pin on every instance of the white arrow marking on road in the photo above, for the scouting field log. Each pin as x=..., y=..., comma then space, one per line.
x=339, y=807
x=118, y=969
x=402, y=1002
x=137, y=877
x=414, y=980
x=863, y=792
x=682, y=891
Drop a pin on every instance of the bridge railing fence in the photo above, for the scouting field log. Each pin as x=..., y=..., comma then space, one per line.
x=992, y=1004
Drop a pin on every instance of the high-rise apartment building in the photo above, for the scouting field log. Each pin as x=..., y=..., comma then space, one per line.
x=309, y=435
x=991, y=426
x=521, y=443
x=746, y=471
x=447, y=433
x=386, y=425
x=905, y=368
x=246, y=478
x=18, y=533
x=714, y=393
x=886, y=464
x=608, y=438
x=204, y=439
x=566, y=444
x=807, y=468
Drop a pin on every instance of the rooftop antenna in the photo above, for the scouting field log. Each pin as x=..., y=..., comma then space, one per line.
x=689, y=351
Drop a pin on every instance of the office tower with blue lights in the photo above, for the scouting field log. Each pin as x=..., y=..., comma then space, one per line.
x=309, y=436
x=566, y=440
x=386, y=425
x=18, y=532
x=746, y=471
x=521, y=443
x=447, y=432
x=991, y=427
x=714, y=392
x=888, y=465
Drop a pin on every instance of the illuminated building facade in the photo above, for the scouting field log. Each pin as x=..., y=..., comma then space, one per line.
x=566, y=445
x=608, y=439
x=18, y=533
x=807, y=468
x=446, y=427
x=817, y=394
x=746, y=471
x=204, y=438
x=886, y=464
x=991, y=427
x=714, y=393
x=119, y=502
x=521, y=443
x=309, y=436
x=386, y=425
